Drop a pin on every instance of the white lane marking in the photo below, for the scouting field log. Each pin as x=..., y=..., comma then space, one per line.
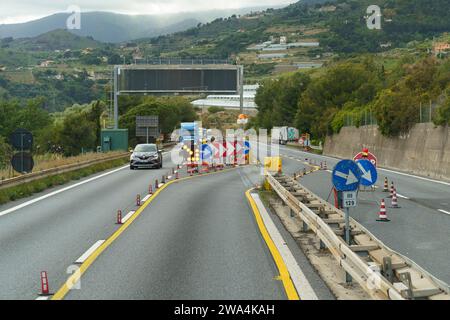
x=43, y=298
x=301, y=283
x=401, y=196
x=25, y=204
x=146, y=198
x=86, y=255
x=169, y=177
x=128, y=216
x=443, y=211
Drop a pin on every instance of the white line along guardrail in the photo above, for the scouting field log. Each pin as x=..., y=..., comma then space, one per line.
x=399, y=277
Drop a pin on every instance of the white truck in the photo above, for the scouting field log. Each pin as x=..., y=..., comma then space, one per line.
x=279, y=135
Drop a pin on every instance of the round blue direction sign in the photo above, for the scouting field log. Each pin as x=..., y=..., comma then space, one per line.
x=346, y=176
x=369, y=172
x=206, y=152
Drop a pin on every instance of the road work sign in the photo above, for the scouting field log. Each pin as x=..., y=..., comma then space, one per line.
x=369, y=172
x=349, y=199
x=346, y=176
x=366, y=155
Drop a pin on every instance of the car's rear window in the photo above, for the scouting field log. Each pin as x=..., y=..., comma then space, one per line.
x=145, y=148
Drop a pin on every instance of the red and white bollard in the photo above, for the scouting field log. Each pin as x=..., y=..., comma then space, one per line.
x=138, y=200
x=150, y=189
x=156, y=184
x=163, y=179
x=382, y=216
x=45, y=290
x=176, y=175
x=119, y=217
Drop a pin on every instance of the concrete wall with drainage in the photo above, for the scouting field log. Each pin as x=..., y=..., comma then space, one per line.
x=424, y=151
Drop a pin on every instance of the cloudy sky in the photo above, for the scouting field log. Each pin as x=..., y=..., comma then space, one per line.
x=25, y=10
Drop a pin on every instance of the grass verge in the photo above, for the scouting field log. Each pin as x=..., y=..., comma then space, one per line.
x=29, y=188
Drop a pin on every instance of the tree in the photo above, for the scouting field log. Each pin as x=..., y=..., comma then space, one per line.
x=77, y=134
x=171, y=111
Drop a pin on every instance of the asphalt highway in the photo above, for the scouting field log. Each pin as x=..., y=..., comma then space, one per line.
x=197, y=240
x=49, y=235
x=420, y=229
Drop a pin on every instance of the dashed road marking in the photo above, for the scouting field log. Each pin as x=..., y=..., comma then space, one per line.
x=89, y=251
x=443, y=211
x=128, y=216
x=401, y=196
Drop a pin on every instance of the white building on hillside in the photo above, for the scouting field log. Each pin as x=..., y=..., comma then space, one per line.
x=230, y=101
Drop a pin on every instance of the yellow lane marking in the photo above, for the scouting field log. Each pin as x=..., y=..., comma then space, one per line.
x=284, y=273
x=74, y=278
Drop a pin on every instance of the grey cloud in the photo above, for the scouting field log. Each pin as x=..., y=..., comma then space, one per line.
x=27, y=9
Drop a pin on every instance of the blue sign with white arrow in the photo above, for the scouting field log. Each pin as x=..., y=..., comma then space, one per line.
x=369, y=172
x=206, y=152
x=346, y=176
x=246, y=147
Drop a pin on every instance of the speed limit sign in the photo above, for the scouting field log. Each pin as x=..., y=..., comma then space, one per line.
x=349, y=199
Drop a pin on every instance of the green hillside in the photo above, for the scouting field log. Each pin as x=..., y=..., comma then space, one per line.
x=55, y=40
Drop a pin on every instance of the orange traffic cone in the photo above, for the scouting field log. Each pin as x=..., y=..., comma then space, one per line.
x=392, y=190
x=383, y=213
x=394, y=201
x=386, y=185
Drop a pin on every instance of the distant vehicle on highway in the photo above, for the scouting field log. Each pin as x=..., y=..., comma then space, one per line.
x=146, y=156
x=283, y=135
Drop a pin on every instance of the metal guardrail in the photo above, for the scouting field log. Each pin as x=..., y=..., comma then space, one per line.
x=398, y=278
x=58, y=170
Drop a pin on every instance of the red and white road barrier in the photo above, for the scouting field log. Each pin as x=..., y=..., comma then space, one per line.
x=138, y=200
x=382, y=216
x=119, y=217
x=394, y=201
x=45, y=290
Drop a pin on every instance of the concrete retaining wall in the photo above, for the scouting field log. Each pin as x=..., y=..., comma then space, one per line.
x=424, y=151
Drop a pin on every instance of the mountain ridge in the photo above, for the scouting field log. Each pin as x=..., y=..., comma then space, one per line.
x=115, y=27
